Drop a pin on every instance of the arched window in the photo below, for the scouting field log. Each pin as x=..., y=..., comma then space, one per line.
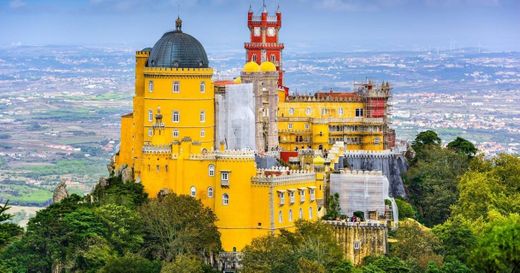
x=193, y=191
x=280, y=217
x=301, y=214
x=150, y=86
x=308, y=111
x=175, y=133
x=176, y=88
x=176, y=117
x=202, y=116
x=150, y=132
x=290, y=215
x=211, y=170
x=273, y=58
x=253, y=58
x=202, y=133
x=210, y=192
x=291, y=111
x=202, y=87
x=310, y=213
x=150, y=115
x=225, y=199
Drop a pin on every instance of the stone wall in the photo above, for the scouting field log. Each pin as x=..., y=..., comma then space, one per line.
x=360, y=240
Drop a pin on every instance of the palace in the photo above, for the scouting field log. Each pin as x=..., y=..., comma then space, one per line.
x=246, y=148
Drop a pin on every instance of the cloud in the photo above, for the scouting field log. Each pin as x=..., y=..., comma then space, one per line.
x=355, y=5
x=466, y=3
x=16, y=4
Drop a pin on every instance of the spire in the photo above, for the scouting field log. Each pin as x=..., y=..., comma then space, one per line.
x=178, y=24
x=264, y=5
x=250, y=8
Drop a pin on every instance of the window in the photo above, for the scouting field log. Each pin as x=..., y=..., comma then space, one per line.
x=291, y=197
x=202, y=116
x=340, y=111
x=224, y=178
x=300, y=215
x=308, y=111
x=150, y=132
x=193, y=191
x=280, y=217
x=202, y=133
x=158, y=168
x=211, y=170
x=253, y=57
x=290, y=215
x=273, y=58
x=357, y=245
x=176, y=87
x=313, y=194
x=291, y=111
x=176, y=117
x=202, y=87
x=359, y=112
x=210, y=192
x=307, y=126
x=175, y=133
x=281, y=196
x=377, y=140
x=150, y=86
x=225, y=199
x=150, y=115
x=310, y=213
x=166, y=168
x=289, y=126
x=323, y=111
x=302, y=196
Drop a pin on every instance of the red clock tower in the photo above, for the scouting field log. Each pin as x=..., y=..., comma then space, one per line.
x=264, y=45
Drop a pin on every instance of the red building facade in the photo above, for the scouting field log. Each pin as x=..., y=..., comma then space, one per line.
x=263, y=44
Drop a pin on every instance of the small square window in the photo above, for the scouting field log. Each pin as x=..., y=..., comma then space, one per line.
x=176, y=87
x=224, y=179
x=202, y=133
x=290, y=126
x=175, y=133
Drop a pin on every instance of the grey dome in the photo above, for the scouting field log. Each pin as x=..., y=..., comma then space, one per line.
x=177, y=49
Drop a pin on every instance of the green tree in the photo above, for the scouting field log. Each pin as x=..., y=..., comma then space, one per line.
x=498, y=246
x=312, y=245
x=130, y=195
x=307, y=266
x=405, y=209
x=333, y=207
x=463, y=146
x=456, y=238
x=269, y=254
x=184, y=264
x=416, y=243
x=179, y=224
x=386, y=264
x=124, y=228
x=491, y=185
x=131, y=264
x=432, y=183
x=425, y=140
x=8, y=231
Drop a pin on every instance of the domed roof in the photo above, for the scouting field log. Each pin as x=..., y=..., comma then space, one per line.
x=177, y=49
x=268, y=67
x=251, y=67
x=237, y=80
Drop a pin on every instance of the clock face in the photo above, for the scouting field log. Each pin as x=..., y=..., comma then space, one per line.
x=256, y=31
x=271, y=31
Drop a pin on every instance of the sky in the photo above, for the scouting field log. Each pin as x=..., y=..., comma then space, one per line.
x=308, y=25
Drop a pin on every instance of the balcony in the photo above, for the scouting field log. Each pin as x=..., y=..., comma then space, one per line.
x=264, y=46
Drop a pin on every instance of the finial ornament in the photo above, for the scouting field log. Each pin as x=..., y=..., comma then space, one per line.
x=265, y=7
x=178, y=24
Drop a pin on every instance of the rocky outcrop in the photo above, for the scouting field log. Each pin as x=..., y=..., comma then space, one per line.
x=60, y=192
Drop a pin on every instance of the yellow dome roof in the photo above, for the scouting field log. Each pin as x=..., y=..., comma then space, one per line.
x=237, y=80
x=318, y=160
x=251, y=67
x=268, y=67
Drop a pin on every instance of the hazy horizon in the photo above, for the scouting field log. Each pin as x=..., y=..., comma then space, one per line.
x=334, y=25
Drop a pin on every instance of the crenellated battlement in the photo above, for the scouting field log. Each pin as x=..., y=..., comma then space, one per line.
x=361, y=173
x=179, y=72
x=353, y=98
x=142, y=53
x=157, y=149
x=371, y=154
x=283, y=175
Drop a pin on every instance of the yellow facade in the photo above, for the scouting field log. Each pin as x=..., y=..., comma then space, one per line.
x=305, y=122
x=168, y=153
